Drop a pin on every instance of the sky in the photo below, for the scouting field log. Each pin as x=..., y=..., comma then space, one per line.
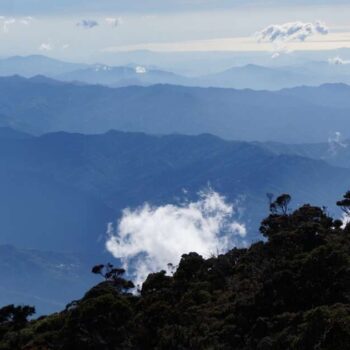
x=82, y=30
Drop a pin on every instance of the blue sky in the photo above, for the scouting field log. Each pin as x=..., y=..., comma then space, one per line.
x=67, y=6
x=84, y=29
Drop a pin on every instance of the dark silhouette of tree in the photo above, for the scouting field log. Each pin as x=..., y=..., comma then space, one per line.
x=344, y=204
x=16, y=316
x=280, y=205
x=113, y=275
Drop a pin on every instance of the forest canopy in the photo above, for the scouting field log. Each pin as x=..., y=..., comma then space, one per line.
x=289, y=291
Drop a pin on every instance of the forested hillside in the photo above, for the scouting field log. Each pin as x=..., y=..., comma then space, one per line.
x=290, y=292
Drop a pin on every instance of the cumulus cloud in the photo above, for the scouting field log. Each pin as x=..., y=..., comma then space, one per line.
x=292, y=31
x=114, y=21
x=87, y=23
x=281, y=34
x=338, y=61
x=148, y=238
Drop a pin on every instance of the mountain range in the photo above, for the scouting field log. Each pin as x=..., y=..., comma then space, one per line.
x=65, y=172
x=252, y=76
x=287, y=116
x=29, y=66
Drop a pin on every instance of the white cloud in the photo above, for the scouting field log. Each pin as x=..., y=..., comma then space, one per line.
x=87, y=23
x=338, y=61
x=281, y=34
x=46, y=47
x=148, y=238
x=102, y=67
x=6, y=22
x=114, y=21
x=140, y=70
x=52, y=45
x=345, y=219
x=292, y=31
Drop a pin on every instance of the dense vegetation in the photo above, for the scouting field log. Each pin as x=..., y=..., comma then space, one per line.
x=290, y=292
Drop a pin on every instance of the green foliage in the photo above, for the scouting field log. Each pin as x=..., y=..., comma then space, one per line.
x=290, y=292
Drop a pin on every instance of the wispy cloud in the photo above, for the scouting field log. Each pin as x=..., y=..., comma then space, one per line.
x=7, y=22
x=53, y=45
x=149, y=238
x=336, y=143
x=87, y=23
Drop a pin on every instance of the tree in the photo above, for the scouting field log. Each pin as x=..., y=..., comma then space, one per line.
x=344, y=204
x=113, y=275
x=280, y=205
x=15, y=316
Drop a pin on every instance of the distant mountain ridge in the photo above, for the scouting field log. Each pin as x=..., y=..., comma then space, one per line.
x=122, y=76
x=29, y=66
x=287, y=116
x=252, y=76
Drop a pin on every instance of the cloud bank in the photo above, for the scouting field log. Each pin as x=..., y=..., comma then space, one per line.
x=87, y=23
x=149, y=238
x=292, y=31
